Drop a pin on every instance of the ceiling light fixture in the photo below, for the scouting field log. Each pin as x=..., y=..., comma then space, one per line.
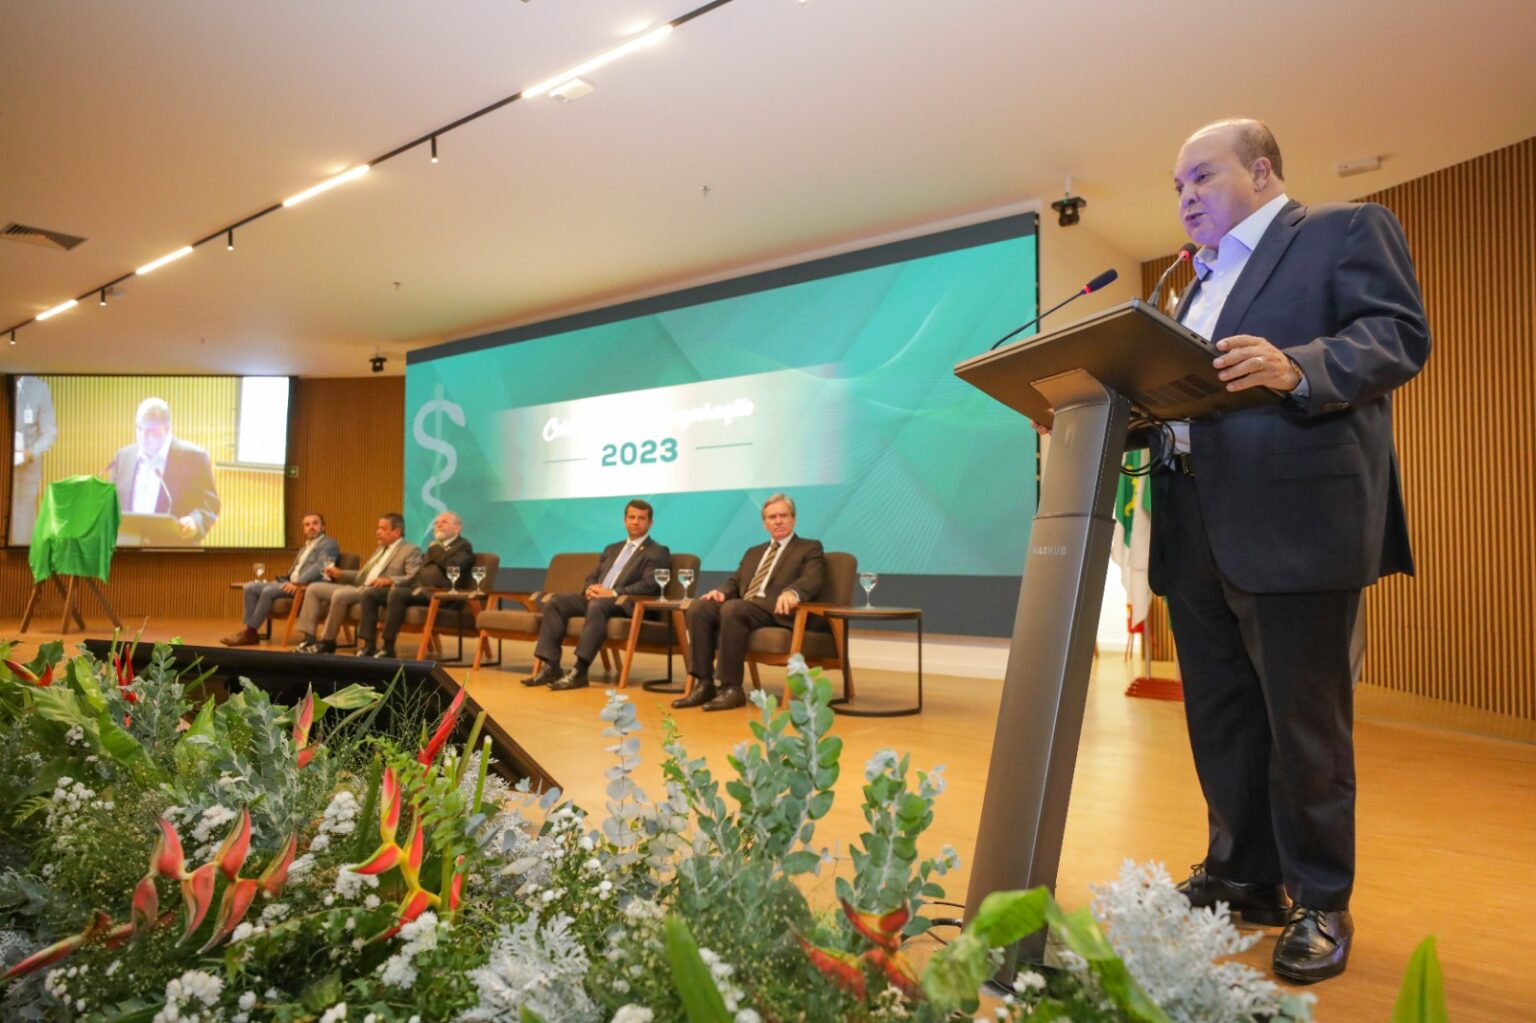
x=650, y=38
x=169, y=257
x=647, y=38
x=327, y=184
x=62, y=307
x=103, y=296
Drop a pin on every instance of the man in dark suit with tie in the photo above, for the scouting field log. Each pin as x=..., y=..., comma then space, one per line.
x=308, y=567
x=165, y=475
x=626, y=569
x=1269, y=523
x=449, y=549
x=771, y=580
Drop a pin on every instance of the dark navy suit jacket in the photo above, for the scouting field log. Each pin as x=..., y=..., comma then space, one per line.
x=1301, y=497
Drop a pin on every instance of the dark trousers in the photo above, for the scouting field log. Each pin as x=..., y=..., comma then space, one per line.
x=558, y=612
x=1269, y=699
x=373, y=598
x=400, y=598
x=723, y=629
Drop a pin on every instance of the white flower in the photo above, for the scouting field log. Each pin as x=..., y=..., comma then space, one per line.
x=247, y=1001
x=748, y=1016
x=334, y=1013
x=301, y=866
x=633, y=1014
x=320, y=843
x=349, y=884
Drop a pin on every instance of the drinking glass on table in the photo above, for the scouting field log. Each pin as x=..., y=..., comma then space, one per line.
x=663, y=577
x=868, y=581
x=685, y=577
x=453, y=577
x=478, y=575
x=260, y=568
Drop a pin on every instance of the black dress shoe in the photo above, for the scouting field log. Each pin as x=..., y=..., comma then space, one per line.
x=730, y=698
x=367, y=651
x=576, y=678
x=703, y=692
x=550, y=675
x=388, y=652
x=325, y=646
x=1265, y=904
x=1314, y=945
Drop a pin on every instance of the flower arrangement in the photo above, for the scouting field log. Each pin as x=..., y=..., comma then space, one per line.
x=165, y=856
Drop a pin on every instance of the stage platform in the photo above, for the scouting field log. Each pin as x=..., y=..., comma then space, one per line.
x=1446, y=840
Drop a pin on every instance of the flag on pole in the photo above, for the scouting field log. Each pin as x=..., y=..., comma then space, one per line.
x=1133, y=538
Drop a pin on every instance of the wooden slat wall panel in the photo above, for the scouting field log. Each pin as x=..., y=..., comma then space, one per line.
x=346, y=441
x=1464, y=630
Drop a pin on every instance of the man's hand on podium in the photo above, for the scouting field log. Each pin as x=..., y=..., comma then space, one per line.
x=1254, y=362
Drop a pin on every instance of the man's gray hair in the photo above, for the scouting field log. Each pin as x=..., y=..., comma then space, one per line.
x=154, y=409
x=1251, y=139
x=458, y=520
x=779, y=499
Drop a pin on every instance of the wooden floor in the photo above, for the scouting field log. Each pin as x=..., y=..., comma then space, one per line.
x=1447, y=821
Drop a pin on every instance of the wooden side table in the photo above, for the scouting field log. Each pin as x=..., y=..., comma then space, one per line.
x=677, y=633
x=853, y=615
x=474, y=602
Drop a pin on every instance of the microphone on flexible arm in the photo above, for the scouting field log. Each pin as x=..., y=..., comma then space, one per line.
x=1107, y=277
x=1186, y=253
x=169, y=500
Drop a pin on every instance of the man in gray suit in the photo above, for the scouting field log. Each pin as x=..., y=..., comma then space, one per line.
x=1270, y=522
x=392, y=563
x=309, y=566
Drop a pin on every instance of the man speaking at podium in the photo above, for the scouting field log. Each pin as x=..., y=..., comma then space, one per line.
x=165, y=475
x=1271, y=521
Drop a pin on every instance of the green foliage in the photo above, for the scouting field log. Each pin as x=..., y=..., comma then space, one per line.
x=1421, y=999
x=695, y=987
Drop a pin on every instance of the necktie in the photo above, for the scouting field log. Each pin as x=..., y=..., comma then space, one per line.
x=618, y=566
x=760, y=577
x=368, y=572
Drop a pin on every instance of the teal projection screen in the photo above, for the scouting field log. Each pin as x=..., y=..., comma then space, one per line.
x=831, y=380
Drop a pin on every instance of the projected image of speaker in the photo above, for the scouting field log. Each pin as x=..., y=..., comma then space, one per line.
x=196, y=461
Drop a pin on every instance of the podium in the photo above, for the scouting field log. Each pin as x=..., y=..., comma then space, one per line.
x=1083, y=381
x=139, y=529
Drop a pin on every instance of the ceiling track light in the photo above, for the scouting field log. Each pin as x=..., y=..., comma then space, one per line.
x=645, y=39
x=650, y=38
x=62, y=307
x=327, y=184
x=169, y=257
x=103, y=296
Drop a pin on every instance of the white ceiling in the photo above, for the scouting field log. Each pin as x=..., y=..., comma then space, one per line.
x=144, y=126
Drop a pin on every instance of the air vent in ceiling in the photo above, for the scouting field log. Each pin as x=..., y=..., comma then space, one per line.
x=56, y=240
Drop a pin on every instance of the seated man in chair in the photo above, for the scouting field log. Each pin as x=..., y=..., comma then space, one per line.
x=307, y=567
x=395, y=561
x=627, y=568
x=449, y=548
x=772, y=579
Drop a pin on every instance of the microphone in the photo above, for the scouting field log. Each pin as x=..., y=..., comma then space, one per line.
x=1107, y=277
x=1186, y=253
x=169, y=500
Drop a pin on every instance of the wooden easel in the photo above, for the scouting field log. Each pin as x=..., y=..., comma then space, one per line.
x=71, y=608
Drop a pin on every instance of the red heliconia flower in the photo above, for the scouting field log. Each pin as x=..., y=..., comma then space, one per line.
x=384, y=859
x=24, y=673
x=415, y=904
x=416, y=847
x=237, y=900
x=146, y=904
x=59, y=949
x=882, y=929
x=841, y=968
x=276, y=874
x=456, y=888
x=236, y=847
x=167, y=859
x=897, y=970
x=306, y=755
x=451, y=718
x=197, y=893
x=301, y=725
x=390, y=800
